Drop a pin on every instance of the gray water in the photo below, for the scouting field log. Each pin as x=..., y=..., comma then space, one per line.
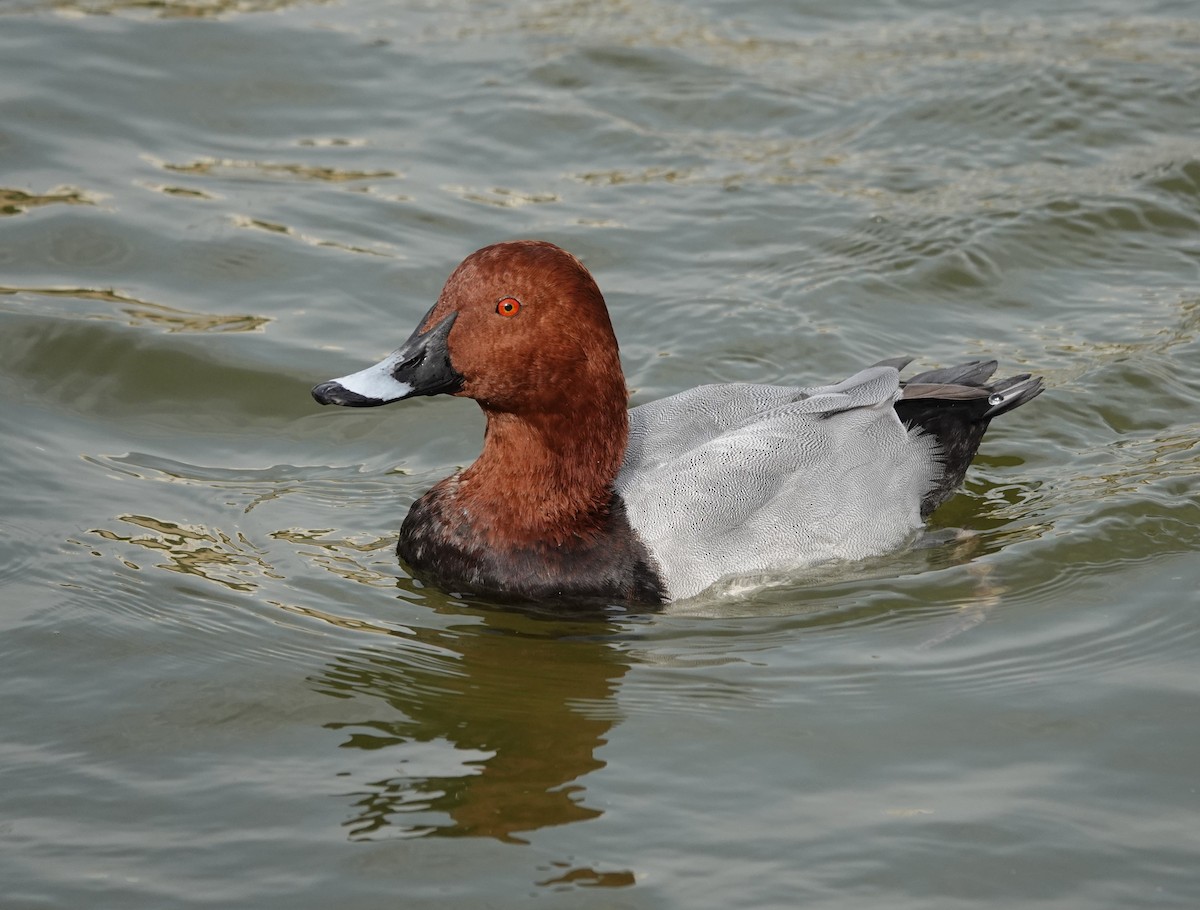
x=218, y=688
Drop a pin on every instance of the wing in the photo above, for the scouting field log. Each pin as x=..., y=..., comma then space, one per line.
x=664, y=429
x=740, y=478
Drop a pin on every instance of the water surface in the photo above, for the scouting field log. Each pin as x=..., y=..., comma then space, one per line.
x=218, y=687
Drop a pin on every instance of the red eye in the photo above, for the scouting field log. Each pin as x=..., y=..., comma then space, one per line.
x=509, y=306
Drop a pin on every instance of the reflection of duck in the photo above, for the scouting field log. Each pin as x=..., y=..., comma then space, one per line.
x=573, y=494
x=484, y=751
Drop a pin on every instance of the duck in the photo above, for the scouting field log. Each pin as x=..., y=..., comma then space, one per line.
x=576, y=496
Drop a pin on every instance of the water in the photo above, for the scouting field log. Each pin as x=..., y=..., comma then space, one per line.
x=218, y=688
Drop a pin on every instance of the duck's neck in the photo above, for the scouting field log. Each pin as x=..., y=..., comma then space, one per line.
x=546, y=476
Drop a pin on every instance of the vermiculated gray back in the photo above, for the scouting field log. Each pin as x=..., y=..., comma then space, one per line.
x=735, y=479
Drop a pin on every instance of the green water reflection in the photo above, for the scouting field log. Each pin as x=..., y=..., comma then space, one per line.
x=516, y=709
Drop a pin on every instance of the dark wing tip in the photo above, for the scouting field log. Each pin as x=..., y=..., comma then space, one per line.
x=1012, y=393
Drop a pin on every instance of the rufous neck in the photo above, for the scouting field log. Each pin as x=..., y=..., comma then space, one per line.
x=546, y=476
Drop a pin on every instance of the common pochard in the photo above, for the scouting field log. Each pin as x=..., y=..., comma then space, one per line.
x=576, y=496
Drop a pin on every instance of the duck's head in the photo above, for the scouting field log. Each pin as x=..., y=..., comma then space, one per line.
x=520, y=327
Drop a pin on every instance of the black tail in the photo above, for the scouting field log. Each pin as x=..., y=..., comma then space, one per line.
x=955, y=405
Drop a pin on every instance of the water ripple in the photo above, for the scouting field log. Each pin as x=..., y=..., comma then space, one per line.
x=380, y=249
x=17, y=202
x=232, y=167
x=175, y=9
x=17, y=543
x=1096, y=647
x=136, y=312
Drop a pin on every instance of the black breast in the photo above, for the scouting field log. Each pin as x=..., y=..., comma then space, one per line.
x=440, y=544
